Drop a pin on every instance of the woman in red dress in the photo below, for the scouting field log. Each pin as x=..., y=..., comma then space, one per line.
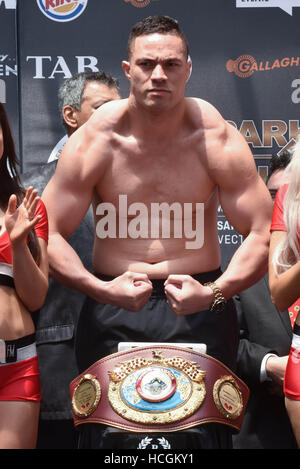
x=23, y=288
x=284, y=275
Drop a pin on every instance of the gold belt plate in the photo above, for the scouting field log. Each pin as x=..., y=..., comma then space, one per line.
x=158, y=390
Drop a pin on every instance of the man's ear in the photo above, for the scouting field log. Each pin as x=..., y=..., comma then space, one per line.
x=70, y=116
x=190, y=67
x=126, y=68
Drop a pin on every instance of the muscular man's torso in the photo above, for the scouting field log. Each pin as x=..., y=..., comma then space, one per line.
x=143, y=173
x=174, y=169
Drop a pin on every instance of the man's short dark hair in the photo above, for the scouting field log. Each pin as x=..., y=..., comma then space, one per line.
x=156, y=24
x=279, y=162
x=72, y=89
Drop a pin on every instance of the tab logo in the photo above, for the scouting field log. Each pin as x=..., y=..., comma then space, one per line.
x=62, y=10
x=285, y=5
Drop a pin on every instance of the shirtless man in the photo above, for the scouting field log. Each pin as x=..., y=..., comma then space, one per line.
x=158, y=147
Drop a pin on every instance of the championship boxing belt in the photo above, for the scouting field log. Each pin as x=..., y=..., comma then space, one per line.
x=158, y=388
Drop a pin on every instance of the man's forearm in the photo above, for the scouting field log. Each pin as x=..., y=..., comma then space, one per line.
x=66, y=267
x=129, y=291
x=247, y=266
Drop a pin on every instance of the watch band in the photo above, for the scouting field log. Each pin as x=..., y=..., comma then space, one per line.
x=219, y=302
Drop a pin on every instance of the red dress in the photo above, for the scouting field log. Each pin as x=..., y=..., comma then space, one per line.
x=41, y=231
x=277, y=217
x=291, y=385
x=19, y=381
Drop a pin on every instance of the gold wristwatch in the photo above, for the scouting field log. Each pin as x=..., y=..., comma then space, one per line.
x=219, y=302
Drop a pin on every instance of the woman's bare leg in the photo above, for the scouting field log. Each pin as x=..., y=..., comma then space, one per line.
x=18, y=424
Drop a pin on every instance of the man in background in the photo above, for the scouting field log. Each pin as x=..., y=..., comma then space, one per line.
x=56, y=322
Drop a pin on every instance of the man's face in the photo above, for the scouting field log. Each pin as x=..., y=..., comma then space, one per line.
x=95, y=94
x=157, y=70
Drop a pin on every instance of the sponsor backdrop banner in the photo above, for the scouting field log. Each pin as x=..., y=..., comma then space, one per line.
x=245, y=55
x=8, y=65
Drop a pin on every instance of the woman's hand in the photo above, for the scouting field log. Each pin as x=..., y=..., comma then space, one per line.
x=19, y=221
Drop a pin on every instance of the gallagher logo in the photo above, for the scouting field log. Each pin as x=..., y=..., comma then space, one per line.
x=245, y=65
x=62, y=10
x=138, y=3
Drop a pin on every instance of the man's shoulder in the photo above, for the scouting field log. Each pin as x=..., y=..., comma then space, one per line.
x=205, y=115
x=200, y=105
x=108, y=116
x=220, y=136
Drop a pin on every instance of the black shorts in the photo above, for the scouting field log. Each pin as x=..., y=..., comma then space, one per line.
x=101, y=327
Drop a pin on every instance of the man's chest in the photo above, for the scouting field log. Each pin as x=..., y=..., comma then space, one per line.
x=154, y=175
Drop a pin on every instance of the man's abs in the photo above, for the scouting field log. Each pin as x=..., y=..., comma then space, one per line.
x=157, y=258
x=158, y=236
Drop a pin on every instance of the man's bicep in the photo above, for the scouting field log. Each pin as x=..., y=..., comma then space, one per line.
x=242, y=193
x=67, y=201
x=246, y=204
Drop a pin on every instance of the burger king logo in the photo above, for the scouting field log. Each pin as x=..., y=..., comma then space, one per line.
x=62, y=10
x=139, y=3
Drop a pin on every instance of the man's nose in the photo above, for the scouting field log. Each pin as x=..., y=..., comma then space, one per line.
x=158, y=73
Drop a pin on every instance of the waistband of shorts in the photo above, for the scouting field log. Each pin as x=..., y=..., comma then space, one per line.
x=158, y=284
x=22, y=341
x=7, y=281
x=12, y=351
x=6, y=275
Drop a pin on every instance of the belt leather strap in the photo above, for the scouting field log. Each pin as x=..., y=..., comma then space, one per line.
x=158, y=388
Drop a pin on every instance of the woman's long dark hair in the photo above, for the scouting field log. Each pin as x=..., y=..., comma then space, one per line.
x=9, y=177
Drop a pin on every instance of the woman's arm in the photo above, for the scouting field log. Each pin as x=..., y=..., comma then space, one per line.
x=31, y=280
x=285, y=287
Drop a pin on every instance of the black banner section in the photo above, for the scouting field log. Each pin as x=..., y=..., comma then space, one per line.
x=8, y=65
